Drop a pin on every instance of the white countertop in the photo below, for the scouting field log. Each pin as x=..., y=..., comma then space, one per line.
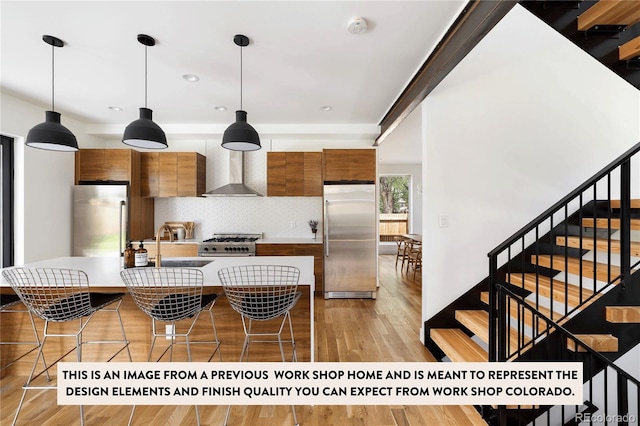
x=105, y=271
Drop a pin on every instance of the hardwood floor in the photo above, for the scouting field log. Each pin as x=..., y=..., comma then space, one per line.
x=347, y=330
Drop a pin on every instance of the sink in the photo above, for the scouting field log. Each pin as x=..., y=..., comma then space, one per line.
x=178, y=263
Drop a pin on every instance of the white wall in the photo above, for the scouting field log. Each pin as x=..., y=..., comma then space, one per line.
x=43, y=182
x=524, y=119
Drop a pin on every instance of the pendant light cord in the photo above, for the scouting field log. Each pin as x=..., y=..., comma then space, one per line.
x=53, y=73
x=145, y=75
x=241, y=78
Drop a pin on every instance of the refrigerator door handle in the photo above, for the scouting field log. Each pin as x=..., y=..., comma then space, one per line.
x=326, y=228
x=123, y=205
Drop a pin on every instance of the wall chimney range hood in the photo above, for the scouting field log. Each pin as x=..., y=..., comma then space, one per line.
x=236, y=186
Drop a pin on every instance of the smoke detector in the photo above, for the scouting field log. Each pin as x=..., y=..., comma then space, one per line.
x=357, y=25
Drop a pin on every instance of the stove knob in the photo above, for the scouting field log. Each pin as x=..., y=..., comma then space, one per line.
x=226, y=249
x=206, y=249
x=213, y=249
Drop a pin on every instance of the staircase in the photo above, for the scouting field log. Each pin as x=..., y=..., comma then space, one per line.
x=609, y=30
x=565, y=287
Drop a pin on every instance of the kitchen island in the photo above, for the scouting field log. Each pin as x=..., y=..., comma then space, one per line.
x=104, y=275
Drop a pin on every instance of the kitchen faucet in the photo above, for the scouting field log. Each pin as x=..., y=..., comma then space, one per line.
x=161, y=230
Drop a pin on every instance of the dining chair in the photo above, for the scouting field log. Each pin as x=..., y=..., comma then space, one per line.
x=170, y=297
x=414, y=257
x=61, y=296
x=401, y=251
x=262, y=293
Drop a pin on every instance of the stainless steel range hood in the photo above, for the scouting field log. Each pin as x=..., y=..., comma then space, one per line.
x=236, y=186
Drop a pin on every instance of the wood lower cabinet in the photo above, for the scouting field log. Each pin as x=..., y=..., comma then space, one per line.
x=119, y=165
x=349, y=164
x=173, y=174
x=170, y=249
x=315, y=250
x=294, y=174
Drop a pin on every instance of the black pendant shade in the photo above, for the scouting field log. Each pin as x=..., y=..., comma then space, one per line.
x=241, y=136
x=144, y=133
x=51, y=135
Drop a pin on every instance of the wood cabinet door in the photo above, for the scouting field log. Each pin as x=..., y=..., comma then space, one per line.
x=349, y=164
x=118, y=164
x=313, y=174
x=90, y=165
x=275, y=250
x=363, y=164
x=294, y=172
x=149, y=169
x=167, y=174
x=187, y=168
x=276, y=174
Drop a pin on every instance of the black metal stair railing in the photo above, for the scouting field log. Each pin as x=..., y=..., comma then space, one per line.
x=563, y=261
x=611, y=395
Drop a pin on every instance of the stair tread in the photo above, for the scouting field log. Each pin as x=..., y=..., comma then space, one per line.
x=601, y=244
x=528, y=320
x=590, y=269
x=603, y=222
x=623, y=314
x=635, y=203
x=477, y=321
x=612, y=12
x=544, y=288
x=597, y=342
x=458, y=346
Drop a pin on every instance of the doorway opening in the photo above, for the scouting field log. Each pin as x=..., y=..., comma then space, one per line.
x=394, y=207
x=6, y=202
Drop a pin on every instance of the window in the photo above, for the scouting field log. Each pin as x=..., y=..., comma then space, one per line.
x=6, y=201
x=394, y=206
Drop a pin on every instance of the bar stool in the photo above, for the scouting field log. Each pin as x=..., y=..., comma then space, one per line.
x=262, y=293
x=171, y=295
x=60, y=296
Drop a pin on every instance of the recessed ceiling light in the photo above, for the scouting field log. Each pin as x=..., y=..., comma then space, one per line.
x=220, y=108
x=192, y=78
x=115, y=108
x=326, y=108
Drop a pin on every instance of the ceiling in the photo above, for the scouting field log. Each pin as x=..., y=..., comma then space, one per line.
x=301, y=58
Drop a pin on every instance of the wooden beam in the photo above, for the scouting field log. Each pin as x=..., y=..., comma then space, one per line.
x=610, y=12
x=475, y=21
x=629, y=50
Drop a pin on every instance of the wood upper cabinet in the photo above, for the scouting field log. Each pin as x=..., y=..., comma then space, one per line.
x=103, y=164
x=349, y=164
x=173, y=174
x=119, y=165
x=294, y=174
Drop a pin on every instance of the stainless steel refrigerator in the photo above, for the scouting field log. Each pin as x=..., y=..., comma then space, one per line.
x=100, y=219
x=350, y=241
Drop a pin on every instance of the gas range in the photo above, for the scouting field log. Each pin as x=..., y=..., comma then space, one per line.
x=229, y=245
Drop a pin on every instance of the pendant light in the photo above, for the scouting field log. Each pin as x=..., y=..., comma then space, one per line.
x=143, y=132
x=52, y=135
x=241, y=136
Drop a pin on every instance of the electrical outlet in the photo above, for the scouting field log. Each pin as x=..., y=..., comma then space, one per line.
x=293, y=224
x=168, y=329
x=443, y=221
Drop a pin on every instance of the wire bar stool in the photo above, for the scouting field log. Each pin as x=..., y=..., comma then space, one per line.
x=60, y=296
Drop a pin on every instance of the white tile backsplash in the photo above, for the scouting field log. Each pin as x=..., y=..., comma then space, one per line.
x=273, y=216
